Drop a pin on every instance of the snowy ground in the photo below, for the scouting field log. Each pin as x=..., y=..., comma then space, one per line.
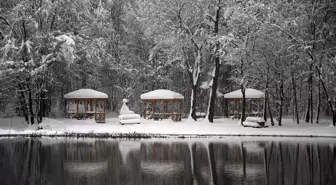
x=189, y=128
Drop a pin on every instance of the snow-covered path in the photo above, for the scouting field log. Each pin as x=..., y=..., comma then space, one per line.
x=221, y=127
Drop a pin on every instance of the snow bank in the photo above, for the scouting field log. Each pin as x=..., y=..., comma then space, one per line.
x=86, y=93
x=255, y=119
x=130, y=121
x=161, y=94
x=129, y=116
x=251, y=124
x=249, y=94
x=165, y=128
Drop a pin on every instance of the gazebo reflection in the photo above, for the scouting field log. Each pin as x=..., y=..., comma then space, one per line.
x=89, y=162
x=165, y=163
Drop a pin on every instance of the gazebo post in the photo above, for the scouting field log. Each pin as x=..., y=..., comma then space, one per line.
x=85, y=107
x=237, y=103
x=181, y=110
x=104, y=104
x=249, y=111
x=77, y=109
x=235, y=112
x=238, y=110
x=144, y=111
x=163, y=109
x=259, y=107
x=265, y=107
x=95, y=114
x=153, y=109
x=234, y=108
x=173, y=110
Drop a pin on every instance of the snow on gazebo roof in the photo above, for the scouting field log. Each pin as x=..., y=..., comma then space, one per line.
x=249, y=94
x=161, y=94
x=86, y=94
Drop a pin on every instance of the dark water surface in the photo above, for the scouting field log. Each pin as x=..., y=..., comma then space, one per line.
x=155, y=162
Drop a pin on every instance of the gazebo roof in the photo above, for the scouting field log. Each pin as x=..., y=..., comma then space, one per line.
x=162, y=94
x=86, y=94
x=249, y=94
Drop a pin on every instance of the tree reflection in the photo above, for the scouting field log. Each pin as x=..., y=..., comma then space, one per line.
x=100, y=162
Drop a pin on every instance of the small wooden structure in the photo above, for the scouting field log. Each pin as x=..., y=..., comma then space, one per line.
x=86, y=103
x=253, y=97
x=165, y=97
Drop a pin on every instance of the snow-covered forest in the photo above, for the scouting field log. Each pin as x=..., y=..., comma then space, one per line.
x=199, y=48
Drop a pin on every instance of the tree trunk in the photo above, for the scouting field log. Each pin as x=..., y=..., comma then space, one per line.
x=41, y=111
x=243, y=89
x=226, y=108
x=296, y=110
x=214, y=87
x=266, y=97
x=309, y=112
x=194, y=76
x=311, y=103
x=265, y=107
x=193, y=103
x=318, y=103
x=301, y=110
x=281, y=102
x=25, y=59
x=269, y=110
x=30, y=105
x=213, y=94
x=23, y=103
x=293, y=106
x=333, y=111
x=334, y=117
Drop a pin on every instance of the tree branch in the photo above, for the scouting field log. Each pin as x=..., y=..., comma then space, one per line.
x=2, y=18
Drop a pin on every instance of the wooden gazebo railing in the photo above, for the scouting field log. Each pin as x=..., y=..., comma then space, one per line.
x=165, y=97
x=86, y=103
x=252, y=96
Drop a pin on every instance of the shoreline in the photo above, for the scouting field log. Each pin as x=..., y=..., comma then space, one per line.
x=68, y=128
x=155, y=136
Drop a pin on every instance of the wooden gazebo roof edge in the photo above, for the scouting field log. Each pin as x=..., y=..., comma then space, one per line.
x=167, y=99
x=86, y=98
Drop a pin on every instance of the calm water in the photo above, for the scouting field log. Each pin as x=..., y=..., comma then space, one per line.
x=100, y=162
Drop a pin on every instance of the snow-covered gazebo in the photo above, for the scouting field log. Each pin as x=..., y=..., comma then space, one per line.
x=86, y=103
x=165, y=97
x=252, y=96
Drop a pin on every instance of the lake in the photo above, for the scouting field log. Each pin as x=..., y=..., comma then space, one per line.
x=229, y=161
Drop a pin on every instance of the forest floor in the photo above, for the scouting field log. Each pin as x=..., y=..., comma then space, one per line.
x=186, y=128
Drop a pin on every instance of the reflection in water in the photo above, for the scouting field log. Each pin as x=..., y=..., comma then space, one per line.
x=100, y=162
